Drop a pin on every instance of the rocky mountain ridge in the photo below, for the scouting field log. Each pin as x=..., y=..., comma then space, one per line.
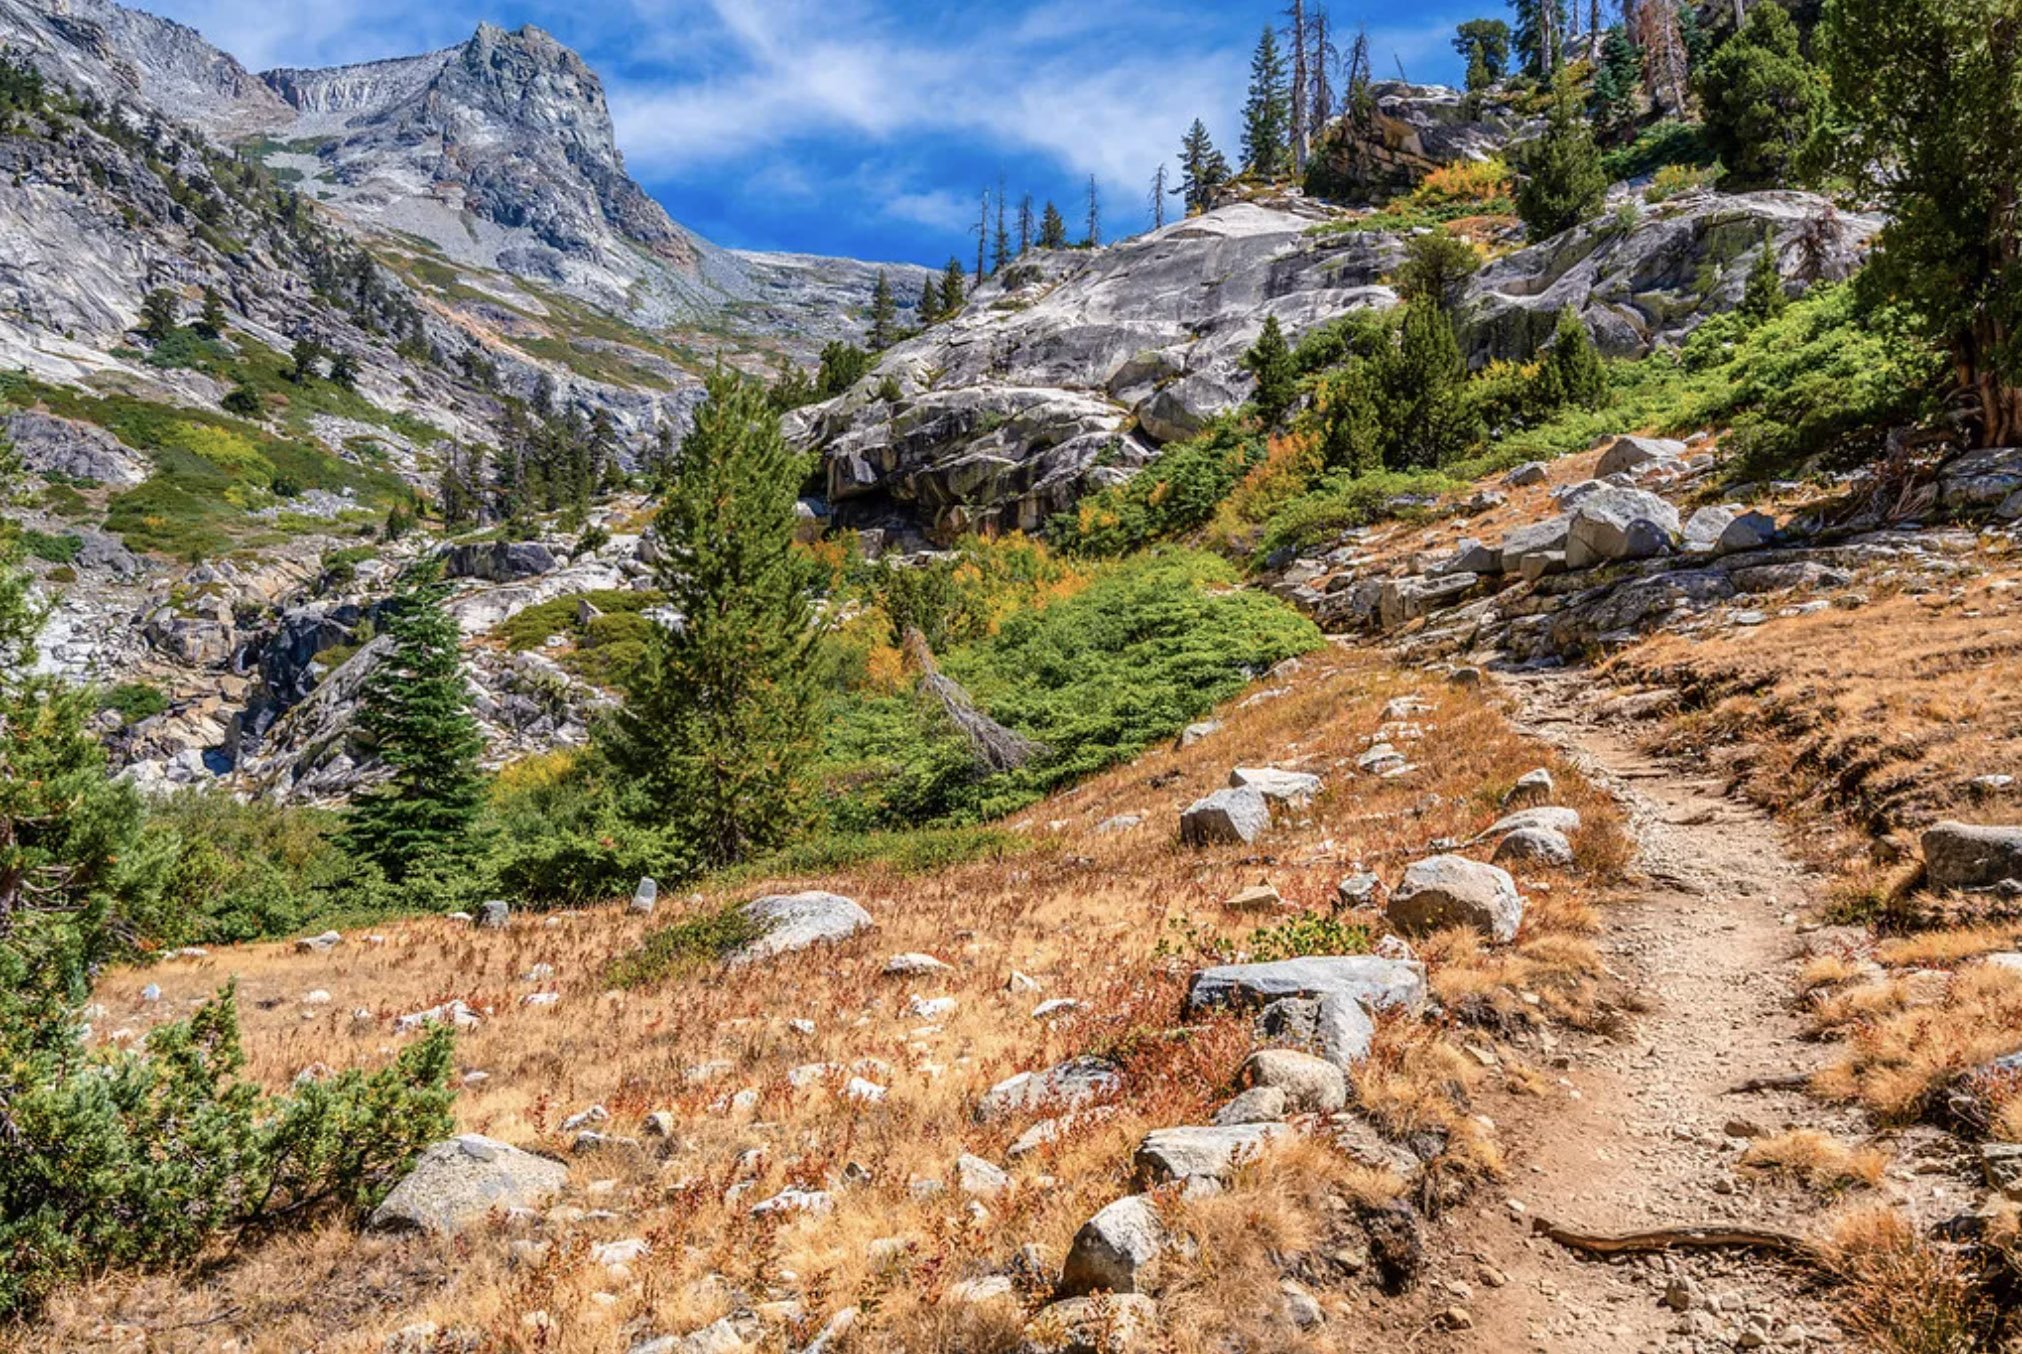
x=1070, y=371
x=499, y=152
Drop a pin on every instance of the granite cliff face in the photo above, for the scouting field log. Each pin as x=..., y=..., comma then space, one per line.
x=126, y=55
x=1073, y=369
x=501, y=153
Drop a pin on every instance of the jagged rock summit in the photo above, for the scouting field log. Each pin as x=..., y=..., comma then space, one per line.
x=499, y=152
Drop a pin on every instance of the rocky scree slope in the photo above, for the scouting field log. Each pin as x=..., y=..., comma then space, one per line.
x=1069, y=371
x=1599, y=550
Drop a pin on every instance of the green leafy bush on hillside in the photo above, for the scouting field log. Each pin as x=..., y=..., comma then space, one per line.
x=118, y=1159
x=1095, y=677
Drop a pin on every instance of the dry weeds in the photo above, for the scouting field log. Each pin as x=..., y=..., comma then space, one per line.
x=1084, y=917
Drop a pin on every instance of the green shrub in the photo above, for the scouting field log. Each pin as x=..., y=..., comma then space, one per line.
x=1307, y=933
x=118, y=1159
x=689, y=945
x=1174, y=494
x=1129, y=661
x=559, y=837
x=1658, y=145
x=134, y=701
x=251, y=870
x=55, y=549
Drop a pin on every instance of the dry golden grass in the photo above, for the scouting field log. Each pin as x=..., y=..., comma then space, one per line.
x=1903, y=1294
x=1816, y=1160
x=1862, y=726
x=1898, y=1057
x=1946, y=947
x=1084, y=916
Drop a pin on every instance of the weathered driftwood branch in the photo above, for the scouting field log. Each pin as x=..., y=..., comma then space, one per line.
x=995, y=746
x=1708, y=1237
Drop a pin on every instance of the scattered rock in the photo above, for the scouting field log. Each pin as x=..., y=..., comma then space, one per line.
x=1371, y=980
x=493, y=914
x=1619, y=524
x=1066, y=1086
x=1312, y=1085
x=458, y=1182
x=1256, y=898
x=1123, y=1323
x=913, y=965
x=1118, y=1250
x=796, y=921
x=1535, y=846
x=1565, y=821
x=1748, y=532
x=1532, y=787
x=329, y=940
x=1967, y=856
x=980, y=1179
x=1293, y=789
x=645, y=896
x=1226, y=817
x=1193, y=1153
x=1455, y=891
x=1626, y=454
x=1258, y=1105
x=449, y=1013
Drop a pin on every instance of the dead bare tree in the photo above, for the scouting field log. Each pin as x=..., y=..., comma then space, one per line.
x=995, y=747
x=1302, y=135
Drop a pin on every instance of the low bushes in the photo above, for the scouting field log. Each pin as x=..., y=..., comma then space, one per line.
x=117, y=1159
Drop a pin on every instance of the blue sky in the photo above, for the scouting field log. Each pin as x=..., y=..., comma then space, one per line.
x=866, y=127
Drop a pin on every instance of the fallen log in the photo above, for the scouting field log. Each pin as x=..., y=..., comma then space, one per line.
x=1711, y=1236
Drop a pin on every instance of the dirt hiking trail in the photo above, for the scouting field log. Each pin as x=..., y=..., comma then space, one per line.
x=1705, y=941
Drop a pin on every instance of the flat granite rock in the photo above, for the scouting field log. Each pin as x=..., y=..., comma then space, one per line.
x=463, y=1180
x=1371, y=980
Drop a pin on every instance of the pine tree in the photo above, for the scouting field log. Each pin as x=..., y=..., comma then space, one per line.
x=884, y=314
x=1563, y=182
x=1157, y=202
x=1570, y=371
x=211, y=322
x=1617, y=82
x=159, y=314
x=1270, y=361
x=303, y=358
x=982, y=235
x=1320, y=62
x=954, y=287
x=1764, y=297
x=1437, y=265
x=930, y=303
x=1361, y=96
x=415, y=712
x=1666, y=62
x=1433, y=419
x=723, y=715
x=1052, y=229
x=1202, y=168
x=1539, y=35
x=1093, y=238
x=1761, y=99
x=1939, y=154
x=1265, y=112
x=344, y=370
x=1484, y=45
x=1025, y=225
